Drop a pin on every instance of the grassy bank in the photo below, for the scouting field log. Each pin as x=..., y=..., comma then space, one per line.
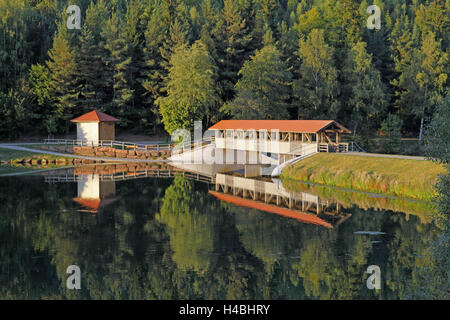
x=9, y=155
x=398, y=177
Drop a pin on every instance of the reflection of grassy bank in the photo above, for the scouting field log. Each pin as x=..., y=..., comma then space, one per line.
x=423, y=210
x=398, y=177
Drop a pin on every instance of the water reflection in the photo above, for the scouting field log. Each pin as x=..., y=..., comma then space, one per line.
x=173, y=234
x=270, y=196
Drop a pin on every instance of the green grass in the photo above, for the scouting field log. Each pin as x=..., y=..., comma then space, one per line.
x=414, y=179
x=9, y=154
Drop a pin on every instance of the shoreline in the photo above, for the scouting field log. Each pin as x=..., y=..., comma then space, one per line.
x=380, y=175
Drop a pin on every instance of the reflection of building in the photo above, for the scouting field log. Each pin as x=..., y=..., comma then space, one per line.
x=272, y=197
x=95, y=126
x=94, y=194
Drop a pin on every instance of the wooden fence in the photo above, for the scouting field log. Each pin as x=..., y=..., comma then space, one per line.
x=110, y=143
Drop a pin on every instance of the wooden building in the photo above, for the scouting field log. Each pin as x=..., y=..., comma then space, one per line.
x=95, y=126
x=288, y=137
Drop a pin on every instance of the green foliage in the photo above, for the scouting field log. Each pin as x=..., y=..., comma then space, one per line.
x=264, y=87
x=319, y=58
x=191, y=88
x=40, y=83
x=392, y=130
x=435, y=281
x=317, y=89
x=366, y=93
x=63, y=69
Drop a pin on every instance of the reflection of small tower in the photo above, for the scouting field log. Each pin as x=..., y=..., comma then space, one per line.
x=93, y=193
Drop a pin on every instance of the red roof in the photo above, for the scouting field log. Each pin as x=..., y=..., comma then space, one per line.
x=294, y=214
x=95, y=116
x=94, y=205
x=300, y=126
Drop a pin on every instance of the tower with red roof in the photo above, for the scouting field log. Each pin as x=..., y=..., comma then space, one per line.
x=95, y=126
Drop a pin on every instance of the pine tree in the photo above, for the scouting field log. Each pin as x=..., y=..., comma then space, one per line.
x=92, y=72
x=119, y=61
x=62, y=65
x=422, y=78
x=234, y=37
x=364, y=98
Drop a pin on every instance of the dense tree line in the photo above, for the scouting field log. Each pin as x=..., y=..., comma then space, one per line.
x=161, y=64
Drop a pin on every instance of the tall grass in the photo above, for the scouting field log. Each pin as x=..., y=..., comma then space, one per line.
x=412, y=179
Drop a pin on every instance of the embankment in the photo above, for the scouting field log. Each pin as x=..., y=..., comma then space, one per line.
x=414, y=179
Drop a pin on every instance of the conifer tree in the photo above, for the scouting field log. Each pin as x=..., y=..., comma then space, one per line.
x=422, y=78
x=234, y=37
x=364, y=97
x=62, y=65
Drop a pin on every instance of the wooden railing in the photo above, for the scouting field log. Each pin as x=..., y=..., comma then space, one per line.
x=131, y=175
x=340, y=147
x=110, y=143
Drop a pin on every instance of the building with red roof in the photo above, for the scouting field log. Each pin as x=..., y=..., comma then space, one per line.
x=288, y=138
x=95, y=126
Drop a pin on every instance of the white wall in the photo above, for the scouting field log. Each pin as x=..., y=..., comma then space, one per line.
x=89, y=188
x=257, y=145
x=88, y=132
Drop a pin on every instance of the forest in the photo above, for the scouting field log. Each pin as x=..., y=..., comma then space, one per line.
x=158, y=65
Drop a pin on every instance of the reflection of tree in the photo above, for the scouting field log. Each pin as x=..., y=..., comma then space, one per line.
x=197, y=248
x=190, y=225
x=314, y=267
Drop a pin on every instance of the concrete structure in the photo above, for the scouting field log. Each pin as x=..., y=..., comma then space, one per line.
x=95, y=126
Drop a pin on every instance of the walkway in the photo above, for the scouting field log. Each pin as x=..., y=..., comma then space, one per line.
x=379, y=155
x=67, y=155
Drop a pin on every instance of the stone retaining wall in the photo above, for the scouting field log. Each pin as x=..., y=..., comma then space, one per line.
x=117, y=153
x=121, y=168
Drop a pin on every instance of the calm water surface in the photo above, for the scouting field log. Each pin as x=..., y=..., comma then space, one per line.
x=226, y=238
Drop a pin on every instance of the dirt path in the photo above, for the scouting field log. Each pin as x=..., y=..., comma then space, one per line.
x=379, y=155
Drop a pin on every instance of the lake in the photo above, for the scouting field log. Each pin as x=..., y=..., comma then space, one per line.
x=182, y=235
